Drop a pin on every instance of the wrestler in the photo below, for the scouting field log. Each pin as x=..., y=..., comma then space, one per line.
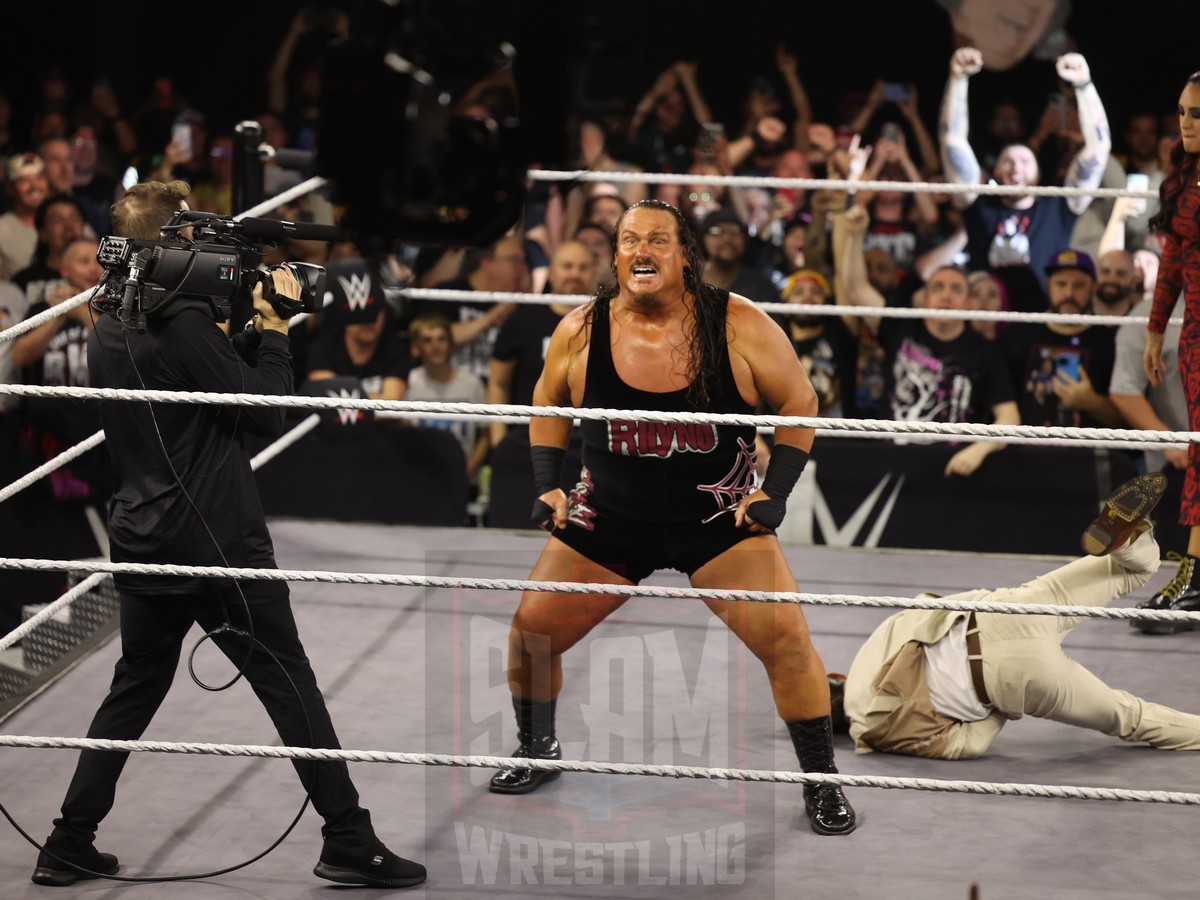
x=654, y=496
x=942, y=683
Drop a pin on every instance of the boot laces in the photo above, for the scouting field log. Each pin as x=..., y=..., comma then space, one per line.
x=1182, y=579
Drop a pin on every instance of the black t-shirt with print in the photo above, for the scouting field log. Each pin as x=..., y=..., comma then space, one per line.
x=1034, y=354
x=830, y=359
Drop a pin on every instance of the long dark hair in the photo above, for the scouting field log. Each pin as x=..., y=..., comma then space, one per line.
x=1183, y=167
x=707, y=341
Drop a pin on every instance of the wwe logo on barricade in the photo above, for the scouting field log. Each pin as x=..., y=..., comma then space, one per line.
x=357, y=288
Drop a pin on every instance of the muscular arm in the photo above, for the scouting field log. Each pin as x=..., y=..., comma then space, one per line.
x=553, y=388
x=850, y=266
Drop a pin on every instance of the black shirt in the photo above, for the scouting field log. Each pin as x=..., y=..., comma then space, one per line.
x=328, y=353
x=523, y=338
x=655, y=471
x=150, y=519
x=1035, y=354
x=931, y=380
x=830, y=359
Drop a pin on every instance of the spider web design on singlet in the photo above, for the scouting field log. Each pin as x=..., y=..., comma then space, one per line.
x=578, y=511
x=739, y=482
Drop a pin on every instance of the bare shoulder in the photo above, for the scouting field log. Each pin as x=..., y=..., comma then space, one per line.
x=746, y=321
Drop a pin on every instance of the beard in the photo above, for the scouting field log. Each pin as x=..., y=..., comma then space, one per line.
x=1112, y=294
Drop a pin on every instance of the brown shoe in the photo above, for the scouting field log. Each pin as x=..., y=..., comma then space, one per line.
x=1123, y=512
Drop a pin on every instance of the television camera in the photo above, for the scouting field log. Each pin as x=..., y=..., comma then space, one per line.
x=204, y=261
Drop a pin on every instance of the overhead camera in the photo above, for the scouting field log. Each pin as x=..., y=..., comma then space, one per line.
x=204, y=261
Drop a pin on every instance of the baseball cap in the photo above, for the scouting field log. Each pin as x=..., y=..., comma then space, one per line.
x=1071, y=259
x=723, y=216
x=357, y=296
x=25, y=164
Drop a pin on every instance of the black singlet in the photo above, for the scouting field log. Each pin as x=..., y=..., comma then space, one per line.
x=653, y=471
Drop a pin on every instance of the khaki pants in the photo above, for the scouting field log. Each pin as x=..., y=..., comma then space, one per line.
x=1026, y=672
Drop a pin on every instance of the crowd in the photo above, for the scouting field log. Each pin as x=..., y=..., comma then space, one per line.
x=954, y=250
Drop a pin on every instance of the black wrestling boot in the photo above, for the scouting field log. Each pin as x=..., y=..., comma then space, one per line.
x=535, y=731
x=825, y=804
x=56, y=865
x=1181, y=594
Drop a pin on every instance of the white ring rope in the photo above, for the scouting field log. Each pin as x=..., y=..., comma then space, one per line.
x=52, y=609
x=945, y=430
x=617, y=590
x=266, y=455
x=50, y=465
x=881, y=312
x=1046, y=791
x=817, y=184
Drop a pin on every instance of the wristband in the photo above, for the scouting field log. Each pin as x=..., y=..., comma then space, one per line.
x=783, y=472
x=547, y=468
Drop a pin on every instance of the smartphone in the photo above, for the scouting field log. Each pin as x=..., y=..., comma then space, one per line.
x=181, y=135
x=890, y=131
x=895, y=92
x=130, y=178
x=1136, y=181
x=1067, y=363
x=711, y=134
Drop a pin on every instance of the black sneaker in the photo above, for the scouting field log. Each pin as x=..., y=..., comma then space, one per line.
x=1124, y=510
x=370, y=864
x=58, y=870
x=1179, y=595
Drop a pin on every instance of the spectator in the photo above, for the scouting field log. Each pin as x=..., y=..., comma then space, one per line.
x=1025, y=231
x=13, y=306
x=87, y=182
x=1118, y=289
x=724, y=241
x=520, y=348
x=596, y=239
x=935, y=369
x=435, y=378
x=1063, y=370
x=59, y=221
x=603, y=210
x=987, y=293
x=55, y=354
x=666, y=120
x=896, y=218
x=27, y=188
x=1141, y=147
x=57, y=156
x=824, y=345
x=355, y=339
x=501, y=267
x=215, y=194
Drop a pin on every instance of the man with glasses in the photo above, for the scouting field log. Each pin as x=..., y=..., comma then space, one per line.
x=724, y=238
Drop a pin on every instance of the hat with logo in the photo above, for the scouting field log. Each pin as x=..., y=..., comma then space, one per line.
x=25, y=164
x=354, y=295
x=1072, y=259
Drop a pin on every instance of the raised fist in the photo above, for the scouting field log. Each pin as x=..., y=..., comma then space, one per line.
x=857, y=220
x=966, y=61
x=1073, y=68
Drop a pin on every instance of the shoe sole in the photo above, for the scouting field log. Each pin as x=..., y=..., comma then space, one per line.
x=1128, y=505
x=528, y=789
x=355, y=876
x=60, y=878
x=829, y=831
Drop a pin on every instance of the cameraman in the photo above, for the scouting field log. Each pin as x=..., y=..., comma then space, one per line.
x=185, y=493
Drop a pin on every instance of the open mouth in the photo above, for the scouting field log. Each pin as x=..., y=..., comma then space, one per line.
x=644, y=271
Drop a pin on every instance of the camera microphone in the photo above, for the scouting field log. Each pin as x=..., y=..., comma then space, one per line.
x=277, y=229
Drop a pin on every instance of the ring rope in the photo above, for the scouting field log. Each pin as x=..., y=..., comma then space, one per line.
x=52, y=609
x=817, y=184
x=881, y=312
x=1047, y=791
x=50, y=465
x=1033, y=432
x=575, y=587
x=266, y=455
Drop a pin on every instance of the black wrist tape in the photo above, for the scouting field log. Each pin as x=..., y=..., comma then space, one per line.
x=783, y=471
x=782, y=474
x=547, y=468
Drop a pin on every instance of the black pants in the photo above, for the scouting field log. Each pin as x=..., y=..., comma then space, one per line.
x=152, y=633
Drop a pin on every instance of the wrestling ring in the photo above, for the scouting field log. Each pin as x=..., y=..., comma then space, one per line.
x=407, y=629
